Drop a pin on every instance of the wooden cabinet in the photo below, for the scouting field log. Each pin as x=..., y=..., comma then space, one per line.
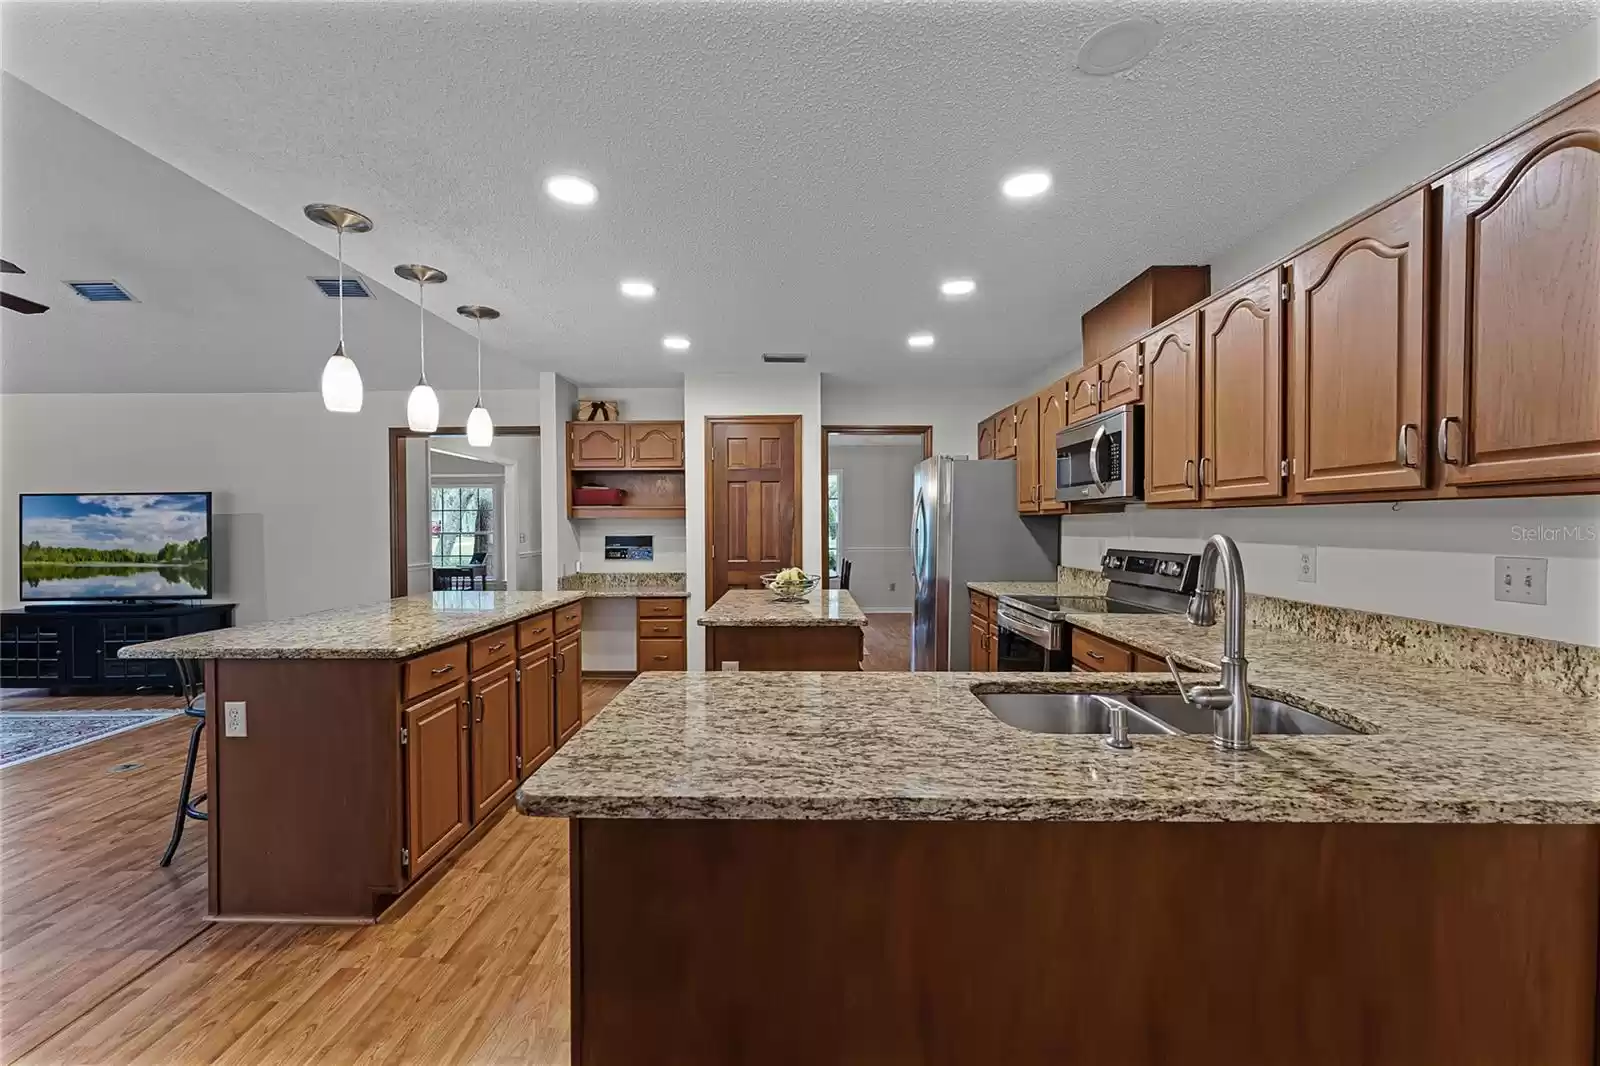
x=1083, y=393
x=992, y=664
x=1027, y=451
x=1052, y=403
x=1148, y=664
x=536, y=724
x=661, y=642
x=655, y=445
x=1241, y=377
x=493, y=707
x=569, y=686
x=1093, y=652
x=986, y=438
x=1122, y=377
x=597, y=445
x=1133, y=310
x=1521, y=307
x=1005, y=434
x=1172, y=413
x=437, y=809
x=980, y=647
x=1359, y=356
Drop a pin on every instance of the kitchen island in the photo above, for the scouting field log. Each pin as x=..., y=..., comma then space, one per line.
x=873, y=868
x=349, y=752
x=756, y=630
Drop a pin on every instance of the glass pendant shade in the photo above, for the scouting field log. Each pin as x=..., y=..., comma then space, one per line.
x=341, y=380
x=422, y=409
x=341, y=383
x=480, y=427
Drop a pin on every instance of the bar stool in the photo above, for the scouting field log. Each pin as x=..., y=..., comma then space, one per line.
x=188, y=806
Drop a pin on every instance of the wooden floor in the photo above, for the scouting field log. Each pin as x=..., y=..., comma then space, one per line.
x=888, y=642
x=107, y=958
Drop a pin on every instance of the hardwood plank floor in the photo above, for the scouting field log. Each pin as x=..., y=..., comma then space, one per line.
x=475, y=972
x=888, y=642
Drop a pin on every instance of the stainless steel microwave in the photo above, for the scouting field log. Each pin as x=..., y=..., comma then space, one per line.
x=1100, y=459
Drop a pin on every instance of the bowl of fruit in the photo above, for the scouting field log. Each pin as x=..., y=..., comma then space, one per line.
x=791, y=585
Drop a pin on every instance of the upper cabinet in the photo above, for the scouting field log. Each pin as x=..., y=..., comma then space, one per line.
x=625, y=470
x=986, y=438
x=1005, y=434
x=1027, y=454
x=1521, y=307
x=1131, y=311
x=1241, y=394
x=1083, y=393
x=597, y=445
x=1172, y=412
x=1052, y=402
x=655, y=445
x=1122, y=377
x=1359, y=357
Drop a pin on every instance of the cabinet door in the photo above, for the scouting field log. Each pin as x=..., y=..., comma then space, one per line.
x=992, y=651
x=1358, y=360
x=655, y=445
x=1522, y=306
x=569, y=686
x=437, y=811
x=1241, y=374
x=1148, y=664
x=1052, y=420
x=986, y=439
x=1172, y=414
x=1005, y=434
x=536, y=723
x=1027, y=445
x=597, y=445
x=1122, y=378
x=1083, y=393
x=494, y=738
x=977, y=643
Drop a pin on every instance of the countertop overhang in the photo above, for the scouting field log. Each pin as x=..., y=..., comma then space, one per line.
x=754, y=608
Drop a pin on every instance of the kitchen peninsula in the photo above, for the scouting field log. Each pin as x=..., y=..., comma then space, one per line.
x=872, y=867
x=349, y=751
x=756, y=630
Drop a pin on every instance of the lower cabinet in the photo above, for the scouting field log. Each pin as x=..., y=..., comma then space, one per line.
x=536, y=677
x=494, y=737
x=437, y=809
x=661, y=642
x=978, y=643
x=569, y=686
x=1090, y=651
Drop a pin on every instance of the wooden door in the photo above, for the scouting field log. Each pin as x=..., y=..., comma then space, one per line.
x=977, y=643
x=1172, y=414
x=986, y=439
x=569, y=686
x=754, y=513
x=437, y=810
x=1521, y=352
x=494, y=738
x=536, y=726
x=1241, y=373
x=1052, y=420
x=1083, y=393
x=1122, y=378
x=655, y=445
x=1358, y=355
x=1027, y=445
x=597, y=445
x=1005, y=434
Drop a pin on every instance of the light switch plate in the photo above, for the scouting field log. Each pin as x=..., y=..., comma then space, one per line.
x=1307, y=570
x=1520, y=580
x=233, y=724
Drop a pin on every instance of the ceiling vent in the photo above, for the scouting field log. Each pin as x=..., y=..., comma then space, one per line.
x=100, y=292
x=783, y=357
x=354, y=288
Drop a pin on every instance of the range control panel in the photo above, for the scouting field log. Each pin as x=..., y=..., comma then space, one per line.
x=1166, y=570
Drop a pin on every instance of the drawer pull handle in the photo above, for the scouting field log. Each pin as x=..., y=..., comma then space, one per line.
x=661, y=629
x=445, y=669
x=659, y=658
x=497, y=647
x=1096, y=655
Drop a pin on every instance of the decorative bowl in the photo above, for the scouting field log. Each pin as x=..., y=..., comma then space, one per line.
x=790, y=592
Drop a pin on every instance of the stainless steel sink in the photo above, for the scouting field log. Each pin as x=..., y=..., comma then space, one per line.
x=1268, y=716
x=1067, y=712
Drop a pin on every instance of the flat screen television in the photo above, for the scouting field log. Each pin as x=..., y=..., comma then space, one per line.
x=129, y=546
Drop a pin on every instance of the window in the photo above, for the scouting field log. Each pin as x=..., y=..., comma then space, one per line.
x=462, y=523
x=834, y=477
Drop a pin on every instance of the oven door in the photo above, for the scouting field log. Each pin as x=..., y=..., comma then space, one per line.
x=1025, y=643
x=1093, y=458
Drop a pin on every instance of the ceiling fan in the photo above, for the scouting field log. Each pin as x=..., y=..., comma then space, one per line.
x=17, y=303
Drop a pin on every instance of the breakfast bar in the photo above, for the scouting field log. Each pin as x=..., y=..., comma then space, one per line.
x=752, y=629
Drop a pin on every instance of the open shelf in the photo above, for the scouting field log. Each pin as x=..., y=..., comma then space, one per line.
x=626, y=512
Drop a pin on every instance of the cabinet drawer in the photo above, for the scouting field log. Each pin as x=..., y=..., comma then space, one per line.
x=663, y=655
x=435, y=670
x=1148, y=664
x=568, y=618
x=661, y=628
x=982, y=606
x=660, y=608
x=1097, y=653
x=532, y=632
x=491, y=648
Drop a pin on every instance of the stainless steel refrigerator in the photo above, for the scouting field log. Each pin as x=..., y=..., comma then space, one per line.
x=965, y=527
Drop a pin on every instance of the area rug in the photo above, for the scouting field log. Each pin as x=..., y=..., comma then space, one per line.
x=26, y=737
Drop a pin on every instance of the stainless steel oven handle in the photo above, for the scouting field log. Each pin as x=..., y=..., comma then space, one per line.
x=1027, y=627
x=1094, y=459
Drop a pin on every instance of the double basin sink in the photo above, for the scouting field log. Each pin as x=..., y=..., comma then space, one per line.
x=1088, y=712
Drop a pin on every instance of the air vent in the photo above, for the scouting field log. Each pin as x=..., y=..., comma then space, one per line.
x=783, y=357
x=99, y=292
x=354, y=288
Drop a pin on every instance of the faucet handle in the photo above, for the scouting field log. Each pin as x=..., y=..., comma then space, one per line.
x=1201, y=697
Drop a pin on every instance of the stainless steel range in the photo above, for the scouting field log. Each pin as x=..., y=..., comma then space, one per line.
x=1035, y=631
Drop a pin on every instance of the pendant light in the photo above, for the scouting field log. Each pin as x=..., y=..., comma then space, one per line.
x=422, y=407
x=341, y=380
x=480, y=427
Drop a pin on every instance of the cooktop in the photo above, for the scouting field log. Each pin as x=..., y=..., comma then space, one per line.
x=1056, y=607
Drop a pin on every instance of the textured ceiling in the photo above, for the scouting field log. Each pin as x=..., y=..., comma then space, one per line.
x=794, y=177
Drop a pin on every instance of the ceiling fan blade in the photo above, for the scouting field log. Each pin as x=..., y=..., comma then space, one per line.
x=19, y=304
x=8, y=267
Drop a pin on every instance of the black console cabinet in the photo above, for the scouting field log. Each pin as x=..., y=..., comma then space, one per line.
x=74, y=646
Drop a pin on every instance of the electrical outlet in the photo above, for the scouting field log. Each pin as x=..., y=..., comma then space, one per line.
x=1308, y=566
x=891, y=586
x=1519, y=580
x=233, y=720
x=730, y=666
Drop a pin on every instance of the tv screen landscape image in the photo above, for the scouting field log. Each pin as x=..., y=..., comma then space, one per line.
x=137, y=546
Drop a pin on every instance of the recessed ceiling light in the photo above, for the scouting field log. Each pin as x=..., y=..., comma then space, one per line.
x=958, y=287
x=674, y=343
x=637, y=288
x=1117, y=47
x=920, y=340
x=1027, y=184
x=570, y=189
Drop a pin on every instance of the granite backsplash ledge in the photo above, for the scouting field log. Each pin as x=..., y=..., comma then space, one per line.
x=628, y=583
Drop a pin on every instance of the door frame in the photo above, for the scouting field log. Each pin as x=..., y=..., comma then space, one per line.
x=397, y=492
x=925, y=432
x=797, y=542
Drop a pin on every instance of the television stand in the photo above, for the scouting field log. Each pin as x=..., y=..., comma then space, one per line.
x=73, y=646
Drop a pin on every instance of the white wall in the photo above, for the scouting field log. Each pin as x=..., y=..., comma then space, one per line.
x=875, y=520
x=558, y=540
x=953, y=412
x=302, y=495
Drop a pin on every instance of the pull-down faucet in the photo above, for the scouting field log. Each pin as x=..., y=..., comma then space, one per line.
x=1231, y=699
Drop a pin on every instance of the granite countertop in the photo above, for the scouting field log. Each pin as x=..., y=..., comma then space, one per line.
x=392, y=629
x=758, y=607
x=1443, y=746
x=1017, y=588
x=629, y=584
